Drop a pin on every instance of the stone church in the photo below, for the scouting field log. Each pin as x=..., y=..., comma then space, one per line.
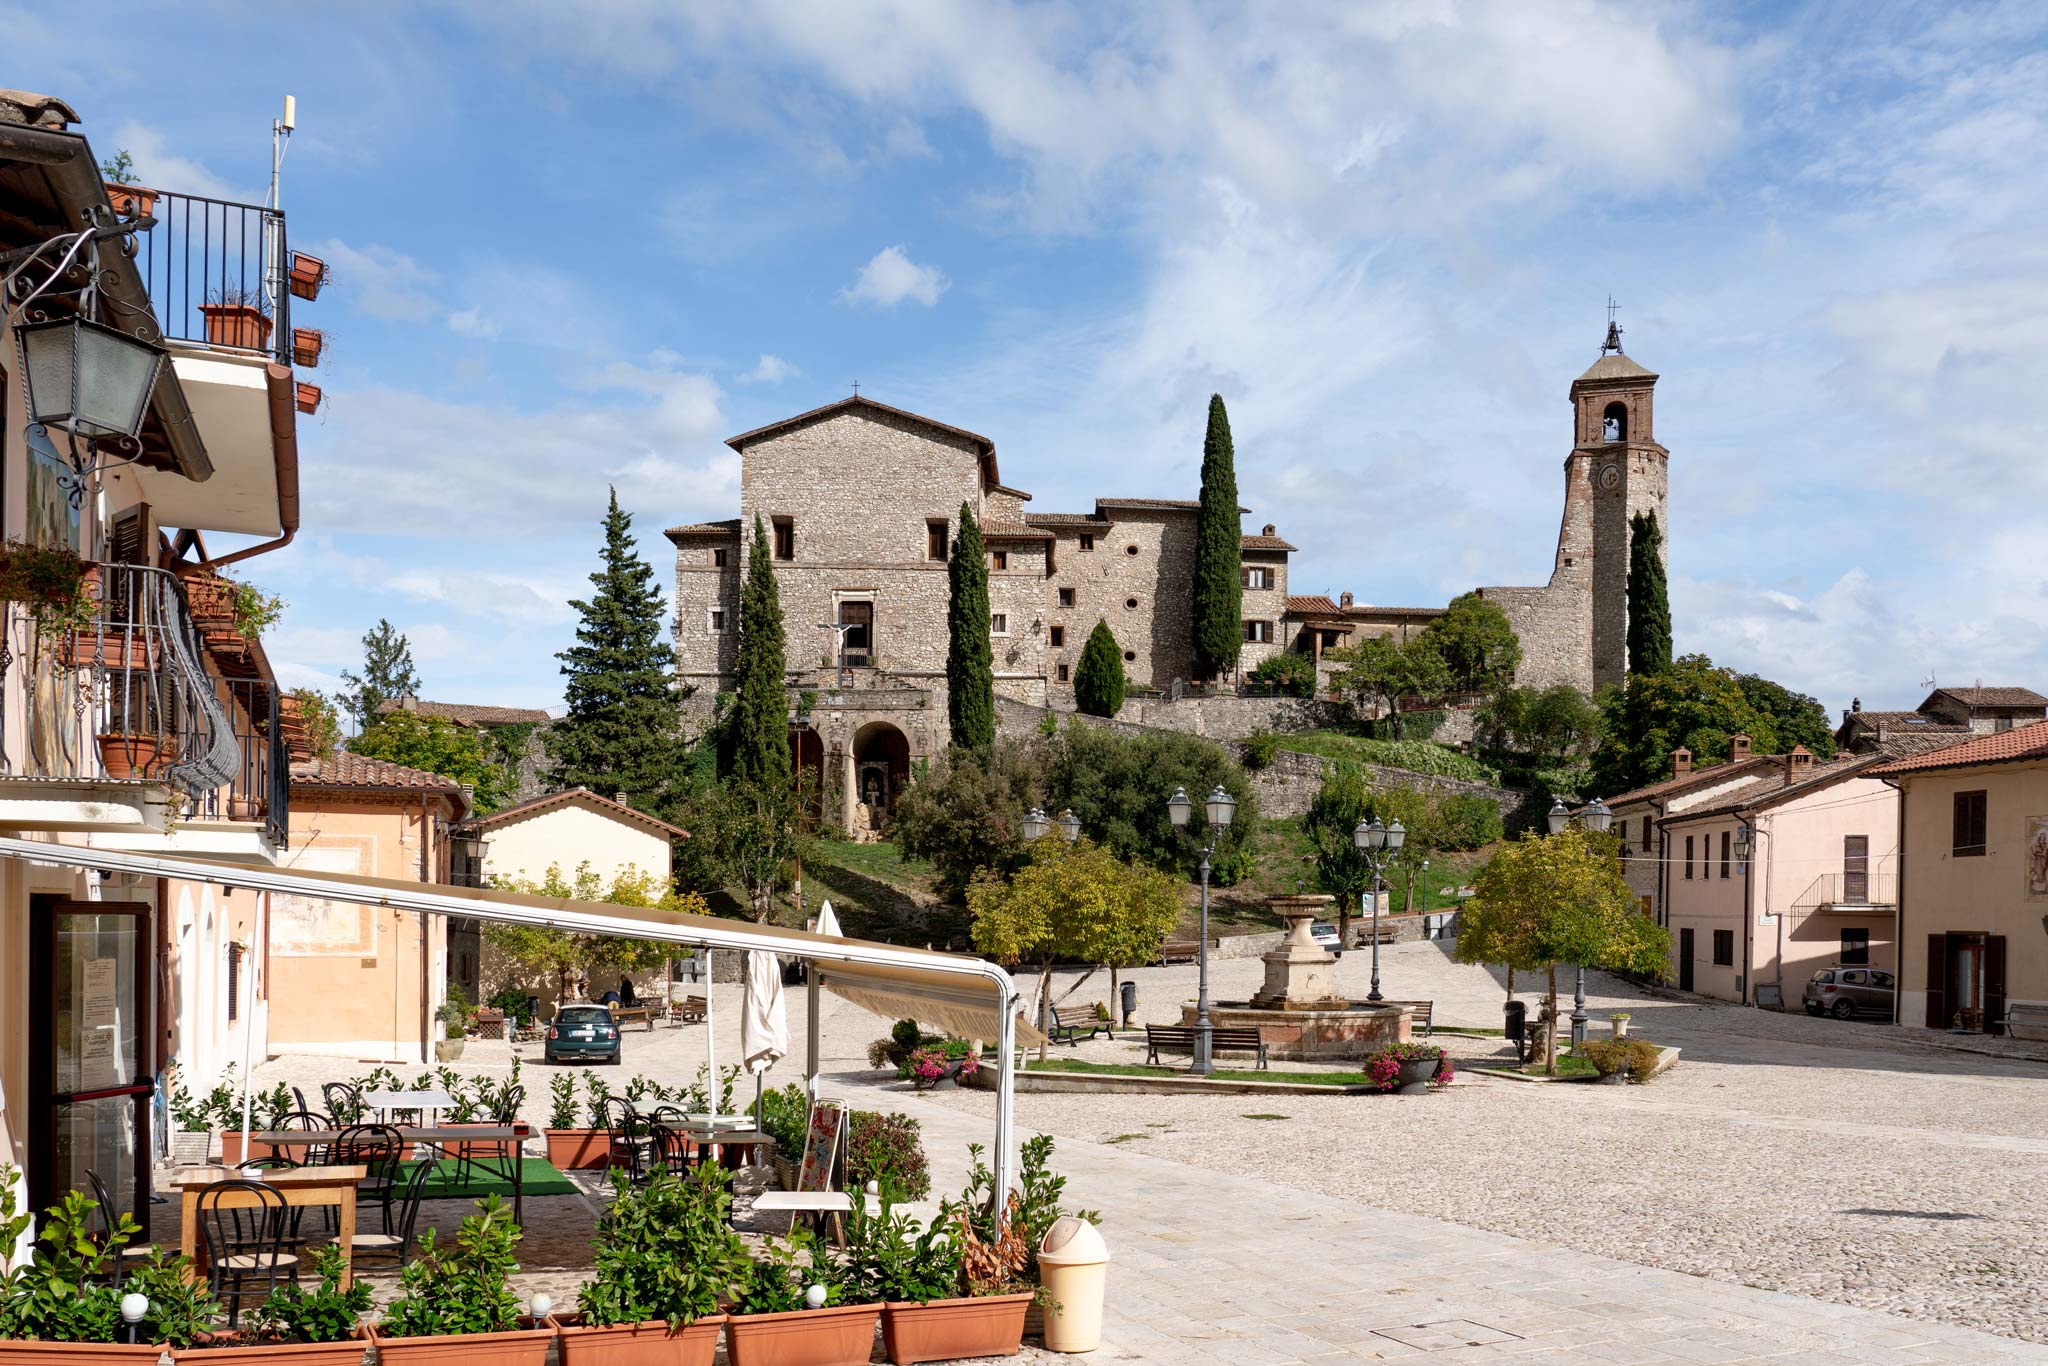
x=861, y=500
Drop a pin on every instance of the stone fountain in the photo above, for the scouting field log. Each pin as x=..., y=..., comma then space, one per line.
x=1299, y=1011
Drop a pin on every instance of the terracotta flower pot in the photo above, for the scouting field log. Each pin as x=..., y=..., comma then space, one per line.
x=126, y=757
x=941, y=1330
x=309, y=398
x=520, y=1347
x=307, y=344
x=76, y=1354
x=131, y=201
x=840, y=1336
x=641, y=1344
x=578, y=1149
x=308, y=274
x=224, y=1348
x=238, y=325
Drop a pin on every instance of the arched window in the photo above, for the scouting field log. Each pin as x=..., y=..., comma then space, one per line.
x=1614, y=423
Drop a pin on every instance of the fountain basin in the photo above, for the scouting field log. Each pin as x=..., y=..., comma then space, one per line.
x=1351, y=1032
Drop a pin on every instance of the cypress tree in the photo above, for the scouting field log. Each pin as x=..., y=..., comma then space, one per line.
x=1099, y=677
x=622, y=731
x=970, y=657
x=760, y=713
x=1649, y=606
x=1219, y=543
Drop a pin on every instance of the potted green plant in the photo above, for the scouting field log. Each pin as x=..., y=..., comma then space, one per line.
x=666, y=1259
x=1038, y=1203
x=933, y=1307
x=794, y=1309
x=1410, y=1068
x=454, y=1018
x=454, y=1306
x=296, y=1326
x=571, y=1146
x=237, y=317
x=52, y=585
x=191, y=1135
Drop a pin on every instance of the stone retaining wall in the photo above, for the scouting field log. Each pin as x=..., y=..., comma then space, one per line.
x=1286, y=786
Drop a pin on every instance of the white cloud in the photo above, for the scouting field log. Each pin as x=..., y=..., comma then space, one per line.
x=470, y=322
x=382, y=281
x=770, y=370
x=160, y=168
x=891, y=276
x=484, y=593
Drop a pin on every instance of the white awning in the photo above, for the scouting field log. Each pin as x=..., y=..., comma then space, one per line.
x=968, y=995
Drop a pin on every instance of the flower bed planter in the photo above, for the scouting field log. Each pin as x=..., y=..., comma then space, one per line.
x=579, y=1149
x=307, y=345
x=941, y=1330
x=131, y=201
x=308, y=397
x=189, y=1147
x=78, y=1354
x=1416, y=1074
x=125, y=757
x=308, y=274
x=238, y=325
x=841, y=1336
x=640, y=1344
x=520, y=1347
x=224, y=1349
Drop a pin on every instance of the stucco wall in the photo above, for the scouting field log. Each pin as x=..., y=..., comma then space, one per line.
x=566, y=836
x=1801, y=842
x=200, y=921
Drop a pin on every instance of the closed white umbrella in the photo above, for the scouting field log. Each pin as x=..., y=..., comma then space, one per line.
x=764, y=1020
x=828, y=923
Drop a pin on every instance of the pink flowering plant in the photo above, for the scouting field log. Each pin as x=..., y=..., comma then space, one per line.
x=1383, y=1069
x=926, y=1066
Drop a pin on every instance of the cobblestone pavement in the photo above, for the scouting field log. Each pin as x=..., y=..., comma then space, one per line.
x=1867, y=1168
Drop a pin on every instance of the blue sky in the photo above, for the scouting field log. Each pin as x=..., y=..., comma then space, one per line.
x=580, y=245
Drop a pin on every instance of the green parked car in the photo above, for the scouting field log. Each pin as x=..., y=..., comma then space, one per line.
x=586, y=1032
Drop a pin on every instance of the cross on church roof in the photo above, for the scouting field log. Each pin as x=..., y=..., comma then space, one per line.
x=856, y=388
x=1613, y=342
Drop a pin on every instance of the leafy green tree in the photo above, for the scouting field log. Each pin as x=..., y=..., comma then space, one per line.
x=315, y=713
x=1797, y=718
x=1649, y=605
x=534, y=950
x=970, y=658
x=1550, y=899
x=1118, y=784
x=436, y=745
x=1072, y=901
x=1379, y=671
x=387, y=675
x=622, y=731
x=1290, y=670
x=1476, y=643
x=760, y=714
x=750, y=833
x=1695, y=704
x=1219, y=541
x=1099, y=677
x=967, y=814
x=1559, y=720
x=1344, y=799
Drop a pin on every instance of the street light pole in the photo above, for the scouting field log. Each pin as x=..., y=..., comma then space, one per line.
x=1218, y=811
x=1378, y=843
x=1597, y=818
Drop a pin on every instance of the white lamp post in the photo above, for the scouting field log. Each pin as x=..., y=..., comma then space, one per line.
x=1218, y=811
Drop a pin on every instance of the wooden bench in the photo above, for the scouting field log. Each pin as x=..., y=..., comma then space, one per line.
x=644, y=1014
x=1179, y=951
x=1388, y=933
x=1069, y=1021
x=1237, y=1038
x=1423, y=1011
x=689, y=1010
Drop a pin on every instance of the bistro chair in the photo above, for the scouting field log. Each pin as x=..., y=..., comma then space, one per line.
x=343, y=1101
x=304, y=1154
x=392, y=1243
x=673, y=1150
x=103, y=1211
x=378, y=1147
x=630, y=1144
x=470, y=1153
x=259, y=1165
x=246, y=1224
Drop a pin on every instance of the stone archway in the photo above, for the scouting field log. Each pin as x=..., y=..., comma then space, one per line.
x=881, y=771
x=807, y=755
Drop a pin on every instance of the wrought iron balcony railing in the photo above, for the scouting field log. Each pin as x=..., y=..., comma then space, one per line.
x=1844, y=890
x=203, y=264
x=127, y=698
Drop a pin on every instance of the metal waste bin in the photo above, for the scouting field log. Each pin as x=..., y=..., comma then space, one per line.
x=1073, y=1266
x=1514, y=1023
x=1129, y=1002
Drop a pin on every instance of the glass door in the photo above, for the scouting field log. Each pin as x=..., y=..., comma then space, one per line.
x=1856, y=869
x=89, y=1069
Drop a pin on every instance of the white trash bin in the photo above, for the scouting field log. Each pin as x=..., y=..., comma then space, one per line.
x=1073, y=1265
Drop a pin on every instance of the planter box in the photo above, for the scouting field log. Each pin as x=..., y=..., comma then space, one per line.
x=842, y=1336
x=350, y=1353
x=987, y=1326
x=572, y=1149
x=448, y=1050
x=307, y=345
x=131, y=201
x=242, y=326
x=190, y=1147
x=641, y=1344
x=231, y=1153
x=520, y=1347
x=79, y=1354
x=308, y=397
x=307, y=275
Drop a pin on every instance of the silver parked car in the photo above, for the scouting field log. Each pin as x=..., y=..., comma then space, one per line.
x=1325, y=934
x=1847, y=992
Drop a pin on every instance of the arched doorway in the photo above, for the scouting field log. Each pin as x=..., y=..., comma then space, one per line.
x=881, y=769
x=807, y=751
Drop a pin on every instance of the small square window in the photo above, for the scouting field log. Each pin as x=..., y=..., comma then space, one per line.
x=785, y=539
x=1724, y=948
x=1087, y=540
x=1063, y=674
x=999, y=623
x=1258, y=576
x=935, y=540
x=1258, y=632
x=999, y=559
x=1056, y=636
x=718, y=554
x=1066, y=597
x=717, y=618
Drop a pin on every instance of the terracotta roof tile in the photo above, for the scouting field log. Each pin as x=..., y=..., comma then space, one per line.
x=467, y=714
x=2005, y=746
x=1311, y=605
x=1155, y=504
x=853, y=404
x=618, y=810
x=343, y=769
x=997, y=530
x=1074, y=519
x=1265, y=543
x=1992, y=697
x=1699, y=777
x=729, y=527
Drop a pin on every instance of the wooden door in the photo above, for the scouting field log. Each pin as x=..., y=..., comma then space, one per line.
x=1685, y=960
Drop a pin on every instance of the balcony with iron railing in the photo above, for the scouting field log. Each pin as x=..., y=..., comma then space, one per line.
x=218, y=272
x=125, y=699
x=1849, y=892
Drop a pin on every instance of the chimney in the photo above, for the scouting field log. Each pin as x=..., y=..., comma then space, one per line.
x=1268, y=531
x=1738, y=747
x=409, y=702
x=1681, y=762
x=1344, y=600
x=620, y=798
x=1798, y=764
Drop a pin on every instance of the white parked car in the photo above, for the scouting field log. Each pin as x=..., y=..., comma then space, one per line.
x=1325, y=934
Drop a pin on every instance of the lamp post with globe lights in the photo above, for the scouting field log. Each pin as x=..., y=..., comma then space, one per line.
x=1595, y=817
x=1217, y=812
x=1378, y=843
x=1036, y=827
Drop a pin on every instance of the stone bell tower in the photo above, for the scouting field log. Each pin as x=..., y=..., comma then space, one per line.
x=1615, y=442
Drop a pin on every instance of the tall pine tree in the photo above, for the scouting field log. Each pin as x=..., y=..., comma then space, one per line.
x=760, y=712
x=622, y=731
x=1219, y=542
x=387, y=675
x=970, y=657
x=1649, y=607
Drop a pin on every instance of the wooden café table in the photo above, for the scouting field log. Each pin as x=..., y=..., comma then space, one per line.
x=300, y=1186
x=485, y=1145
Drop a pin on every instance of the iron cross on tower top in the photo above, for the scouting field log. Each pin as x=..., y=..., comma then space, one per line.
x=1613, y=342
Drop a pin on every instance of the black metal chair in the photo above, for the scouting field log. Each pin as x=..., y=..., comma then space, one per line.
x=498, y=1153
x=343, y=1101
x=307, y=1154
x=247, y=1229
x=392, y=1243
x=378, y=1147
x=630, y=1144
x=260, y=1165
x=673, y=1149
x=103, y=1209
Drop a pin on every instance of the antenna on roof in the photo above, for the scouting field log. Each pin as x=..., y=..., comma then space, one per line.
x=1613, y=342
x=274, y=264
x=1929, y=683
